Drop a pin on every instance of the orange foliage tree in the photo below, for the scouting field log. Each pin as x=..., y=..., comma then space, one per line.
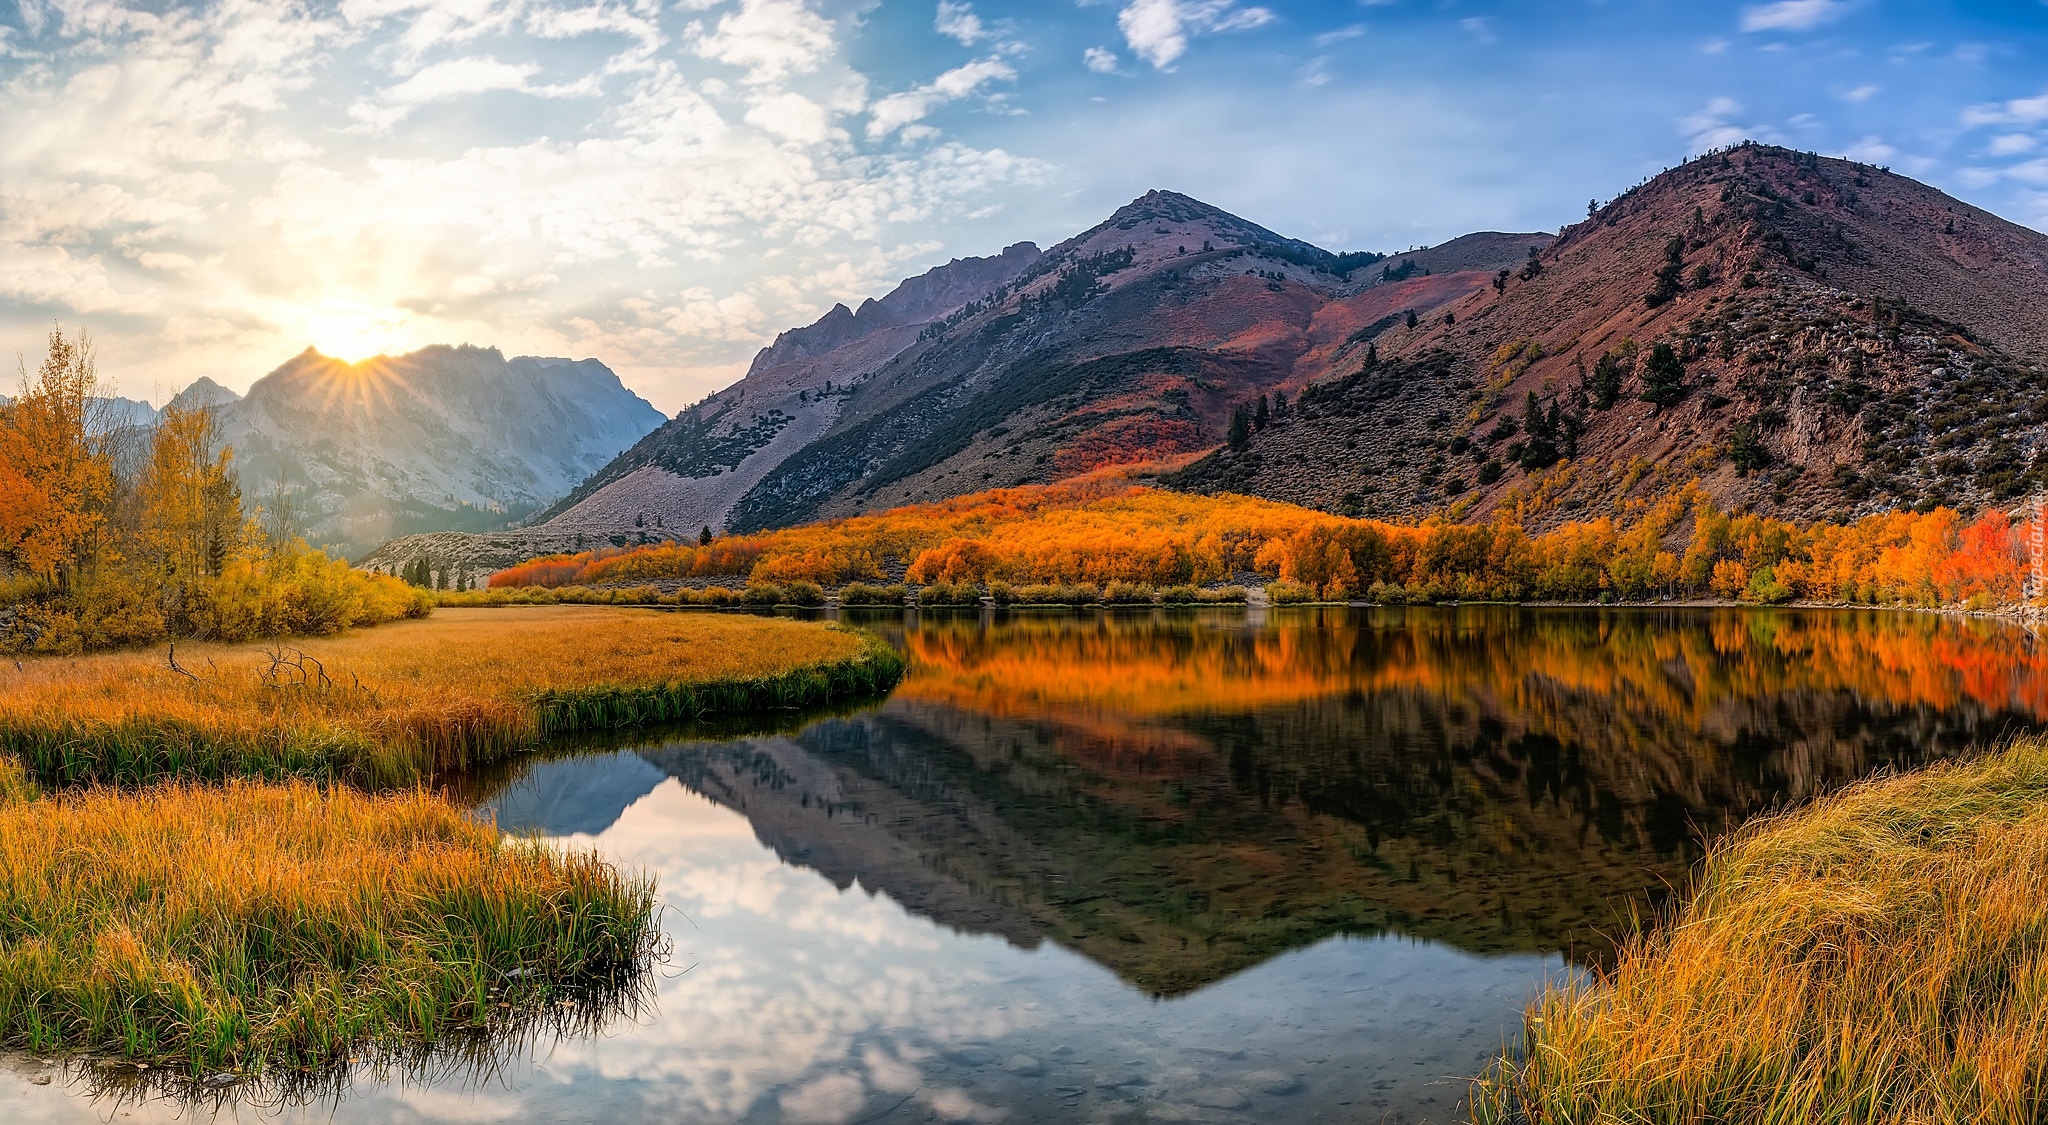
x=1109, y=528
x=93, y=555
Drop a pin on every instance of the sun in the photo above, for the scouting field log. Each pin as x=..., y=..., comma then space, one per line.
x=354, y=333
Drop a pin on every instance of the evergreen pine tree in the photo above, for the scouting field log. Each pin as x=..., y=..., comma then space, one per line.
x=1240, y=429
x=1663, y=377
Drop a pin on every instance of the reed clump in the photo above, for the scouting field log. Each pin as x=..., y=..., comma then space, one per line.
x=255, y=925
x=1881, y=956
x=416, y=700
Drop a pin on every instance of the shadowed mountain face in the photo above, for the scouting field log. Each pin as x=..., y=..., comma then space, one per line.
x=1840, y=340
x=444, y=437
x=1180, y=797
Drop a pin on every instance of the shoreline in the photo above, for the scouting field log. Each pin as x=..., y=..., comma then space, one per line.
x=404, y=703
x=239, y=867
x=534, y=596
x=1866, y=956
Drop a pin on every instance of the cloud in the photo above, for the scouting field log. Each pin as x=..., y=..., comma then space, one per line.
x=770, y=39
x=1871, y=150
x=1158, y=30
x=1860, y=94
x=2018, y=111
x=180, y=179
x=1338, y=35
x=1792, y=15
x=2011, y=144
x=1101, y=60
x=898, y=110
x=1479, y=28
x=1713, y=126
x=958, y=21
x=443, y=81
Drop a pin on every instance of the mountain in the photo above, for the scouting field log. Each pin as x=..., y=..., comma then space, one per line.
x=203, y=394
x=692, y=470
x=1809, y=337
x=1129, y=342
x=444, y=437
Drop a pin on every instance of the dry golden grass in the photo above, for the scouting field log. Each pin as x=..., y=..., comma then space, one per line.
x=1879, y=957
x=257, y=923
x=413, y=700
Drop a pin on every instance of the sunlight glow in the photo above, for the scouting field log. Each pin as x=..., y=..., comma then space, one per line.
x=355, y=332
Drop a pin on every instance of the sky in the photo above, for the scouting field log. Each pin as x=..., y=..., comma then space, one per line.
x=664, y=185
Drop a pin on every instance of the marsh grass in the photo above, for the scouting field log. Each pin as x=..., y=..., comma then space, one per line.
x=1881, y=956
x=279, y=927
x=417, y=701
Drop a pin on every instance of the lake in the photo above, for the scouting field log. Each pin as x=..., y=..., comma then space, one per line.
x=1172, y=865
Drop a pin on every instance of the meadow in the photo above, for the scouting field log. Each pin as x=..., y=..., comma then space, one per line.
x=232, y=926
x=414, y=701
x=1880, y=956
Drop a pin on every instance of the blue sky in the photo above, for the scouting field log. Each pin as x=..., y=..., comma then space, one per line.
x=210, y=188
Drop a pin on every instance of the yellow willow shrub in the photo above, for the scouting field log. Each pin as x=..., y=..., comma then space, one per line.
x=295, y=592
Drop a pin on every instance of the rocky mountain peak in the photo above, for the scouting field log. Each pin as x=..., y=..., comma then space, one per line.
x=202, y=394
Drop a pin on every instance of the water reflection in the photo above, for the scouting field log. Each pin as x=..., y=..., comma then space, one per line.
x=1180, y=796
x=1185, y=865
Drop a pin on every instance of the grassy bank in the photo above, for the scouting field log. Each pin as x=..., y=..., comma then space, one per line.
x=235, y=927
x=1879, y=957
x=414, y=700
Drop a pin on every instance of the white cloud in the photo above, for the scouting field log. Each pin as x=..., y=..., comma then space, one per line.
x=180, y=179
x=2011, y=144
x=443, y=81
x=898, y=110
x=1158, y=30
x=1860, y=94
x=1478, y=28
x=1101, y=60
x=1340, y=35
x=1871, y=150
x=2018, y=111
x=1714, y=126
x=958, y=21
x=770, y=39
x=2032, y=171
x=792, y=117
x=1792, y=15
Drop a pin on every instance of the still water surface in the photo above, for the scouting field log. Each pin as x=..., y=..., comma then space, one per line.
x=1176, y=866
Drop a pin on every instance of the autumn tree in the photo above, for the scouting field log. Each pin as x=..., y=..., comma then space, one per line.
x=56, y=472
x=190, y=504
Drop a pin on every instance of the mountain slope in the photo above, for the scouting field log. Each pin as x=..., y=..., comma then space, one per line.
x=1130, y=342
x=1841, y=339
x=689, y=473
x=444, y=436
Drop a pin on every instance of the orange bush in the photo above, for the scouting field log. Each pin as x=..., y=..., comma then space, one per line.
x=1108, y=528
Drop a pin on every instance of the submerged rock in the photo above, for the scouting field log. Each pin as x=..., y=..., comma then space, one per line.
x=1272, y=1082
